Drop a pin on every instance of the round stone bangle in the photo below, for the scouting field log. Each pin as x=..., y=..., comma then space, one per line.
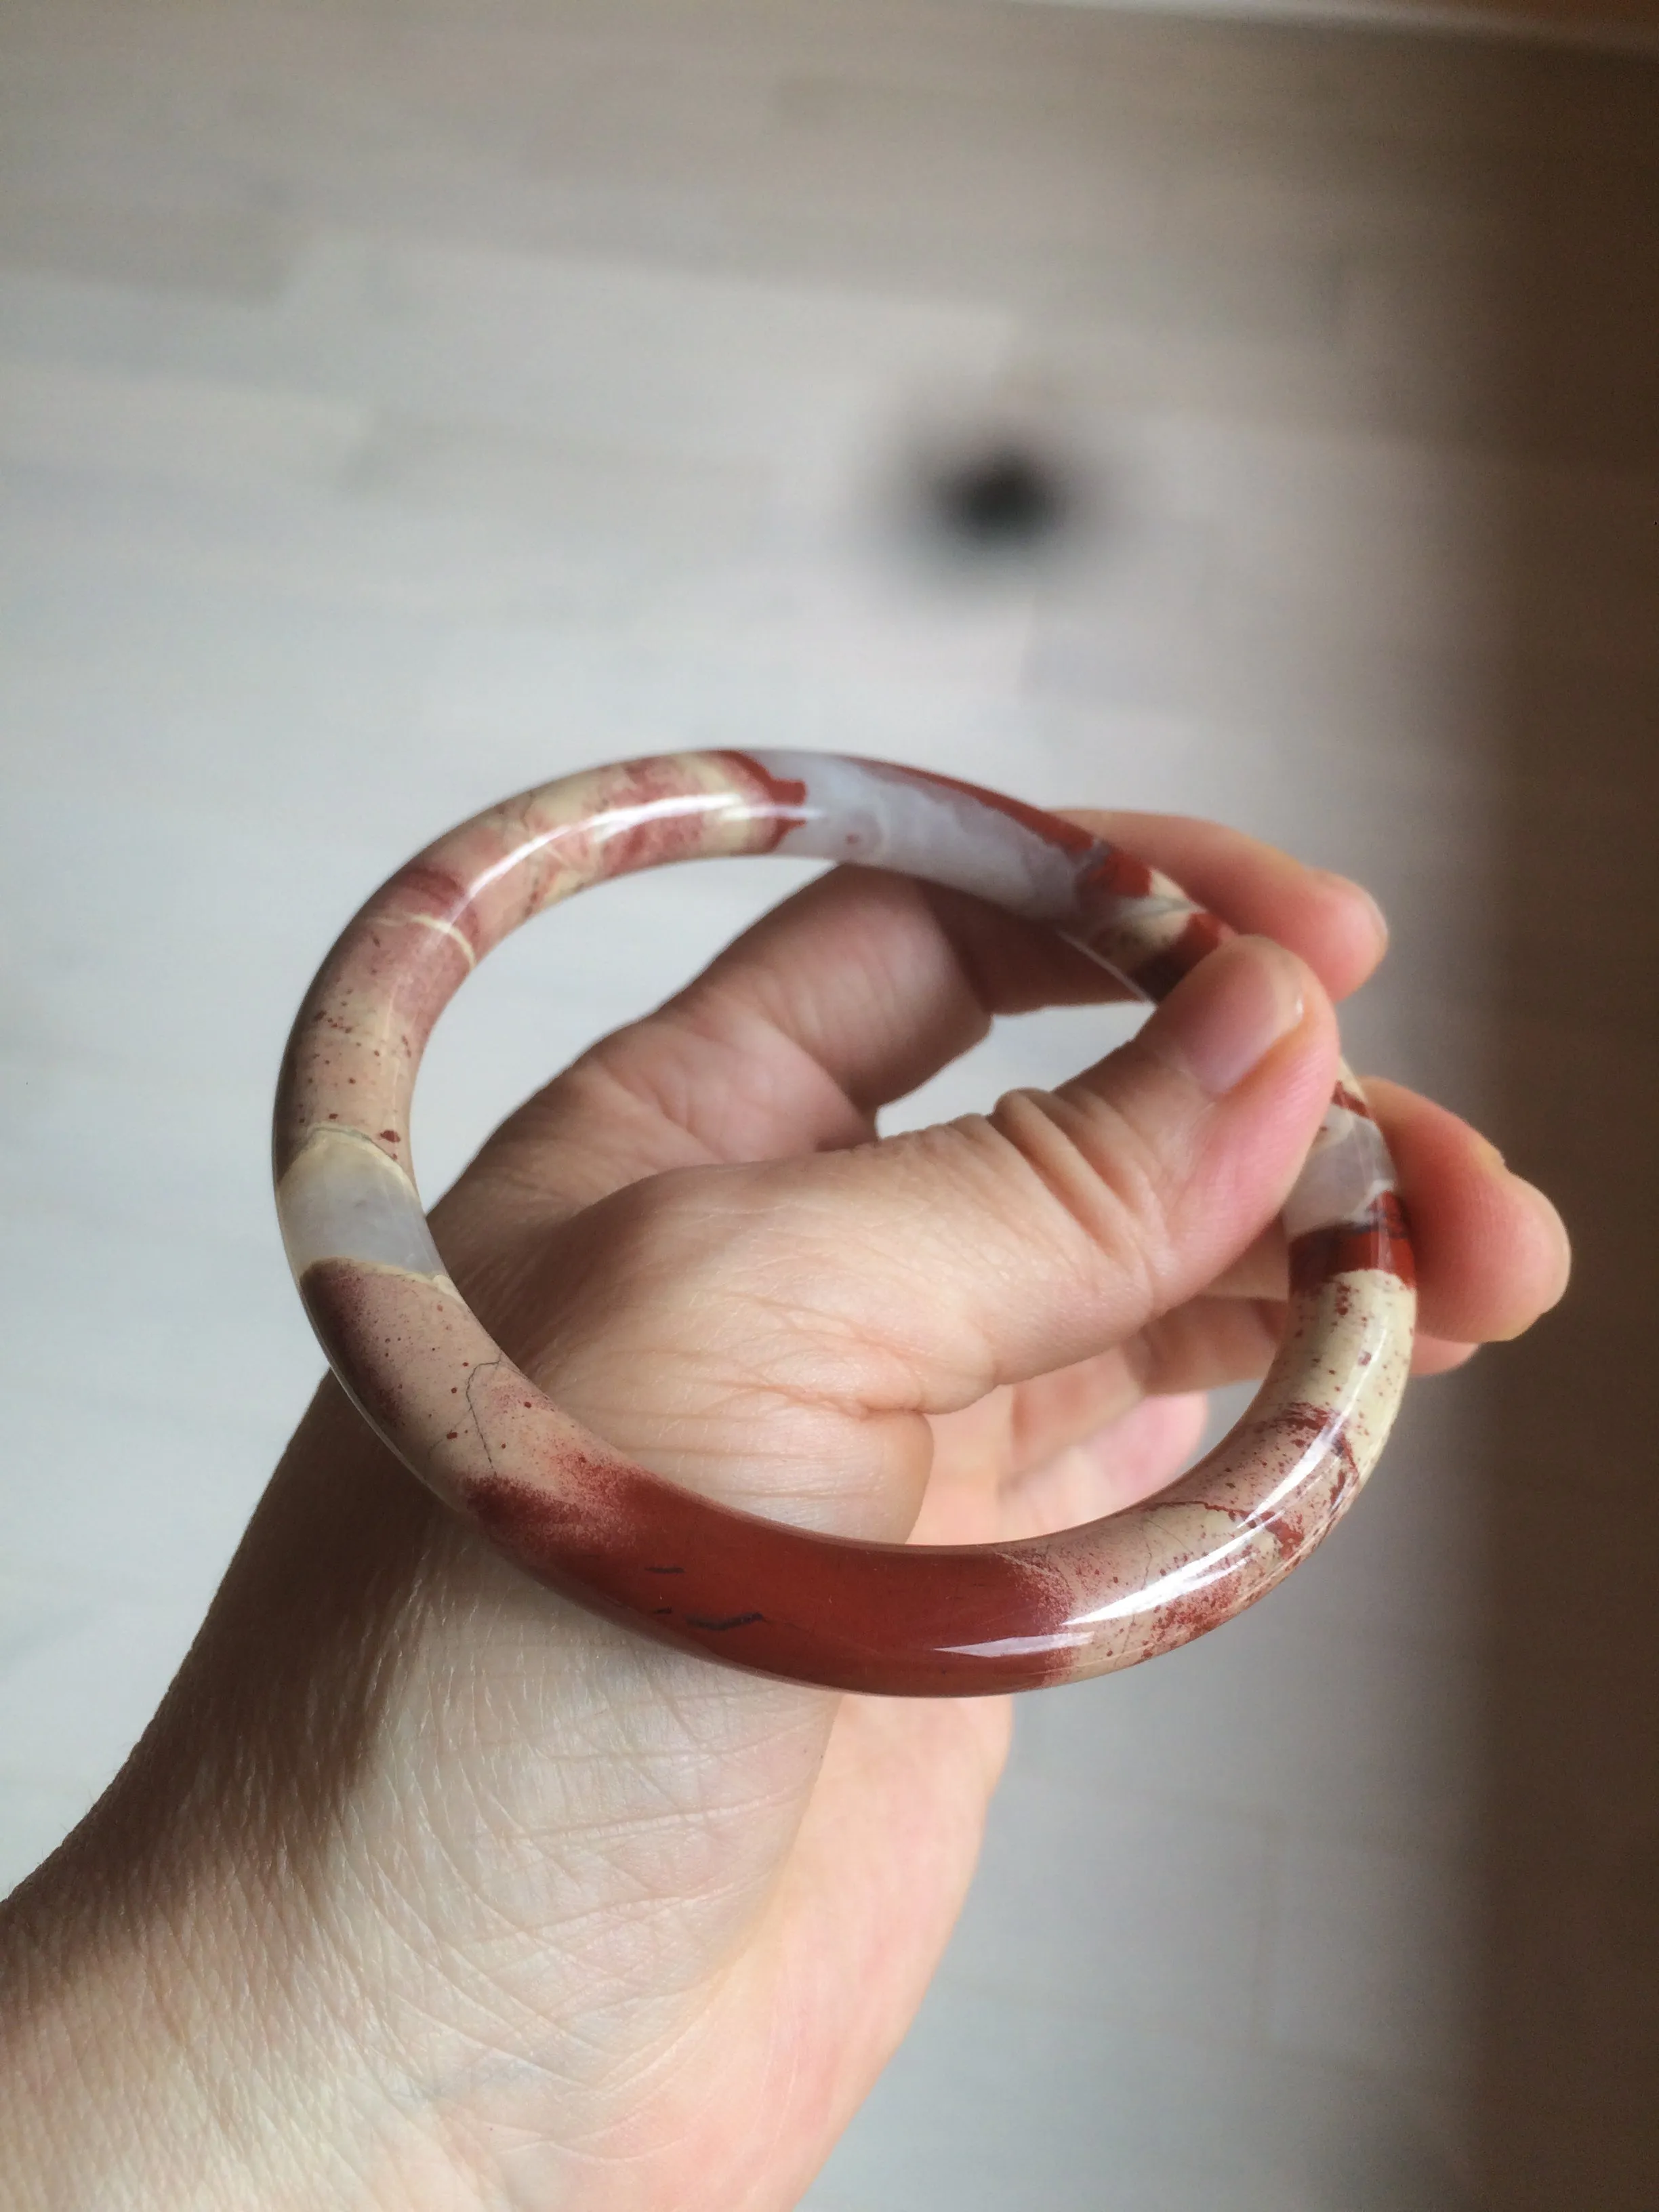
x=909, y=1619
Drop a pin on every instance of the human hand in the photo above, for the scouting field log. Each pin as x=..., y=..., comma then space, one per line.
x=427, y=1889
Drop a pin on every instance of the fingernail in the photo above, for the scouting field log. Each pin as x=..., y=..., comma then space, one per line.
x=1537, y=1202
x=1229, y=1013
x=1347, y=885
x=1558, y=1269
x=1554, y=1228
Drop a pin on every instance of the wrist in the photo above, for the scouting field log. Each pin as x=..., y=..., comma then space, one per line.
x=385, y=1902
x=150, y=2052
x=179, y=2020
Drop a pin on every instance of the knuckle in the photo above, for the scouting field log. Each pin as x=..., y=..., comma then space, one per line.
x=1108, y=1177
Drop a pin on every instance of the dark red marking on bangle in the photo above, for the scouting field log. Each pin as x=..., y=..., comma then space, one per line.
x=1183, y=1620
x=890, y=1618
x=1352, y=1101
x=1115, y=875
x=423, y=891
x=344, y=1305
x=620, y=847
x=1312, y=1429
x=785, y=793
x=1380, y=1240
x=1158, y=976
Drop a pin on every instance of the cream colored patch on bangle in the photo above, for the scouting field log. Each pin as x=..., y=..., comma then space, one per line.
x=343, y=1198
x=443, y=928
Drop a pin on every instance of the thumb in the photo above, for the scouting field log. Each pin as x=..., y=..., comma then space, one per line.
x=907, y=1277
x=1005, y=1245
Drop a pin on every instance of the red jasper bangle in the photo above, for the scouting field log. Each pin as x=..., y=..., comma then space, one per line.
x=908, y=1620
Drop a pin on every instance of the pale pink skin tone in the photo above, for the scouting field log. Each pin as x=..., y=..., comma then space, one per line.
x=580, y=1516
x=429, y=1889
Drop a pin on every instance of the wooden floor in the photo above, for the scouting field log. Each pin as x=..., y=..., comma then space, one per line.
x=402, y=403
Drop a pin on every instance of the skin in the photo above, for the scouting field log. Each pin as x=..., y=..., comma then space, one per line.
x=425, y=1889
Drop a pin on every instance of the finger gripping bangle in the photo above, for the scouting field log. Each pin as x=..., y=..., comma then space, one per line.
x=908, y=1620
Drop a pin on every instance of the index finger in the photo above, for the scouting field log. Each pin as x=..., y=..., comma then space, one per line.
x=1331, y=923
x=880, y=981
x=856, y=990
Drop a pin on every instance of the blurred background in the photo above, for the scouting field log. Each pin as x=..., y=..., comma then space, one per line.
x=405, y=401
